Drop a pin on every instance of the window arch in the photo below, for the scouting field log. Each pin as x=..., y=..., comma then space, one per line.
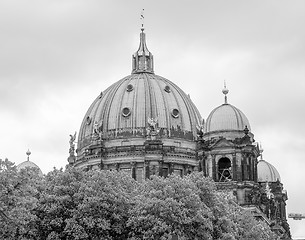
x=224, y=170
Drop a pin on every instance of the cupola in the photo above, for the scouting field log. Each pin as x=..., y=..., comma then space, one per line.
x=266, y=172
x=28, y=164
x=142, y=59
x=226, y=120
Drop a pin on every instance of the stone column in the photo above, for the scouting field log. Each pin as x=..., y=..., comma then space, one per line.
x=133, y=170
x=234, y=166
x=214, y=167
x=147, y=169
x=210, y=166
x=238, y=159
x=203, y=165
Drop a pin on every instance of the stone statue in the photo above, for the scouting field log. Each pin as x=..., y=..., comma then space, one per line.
x=152, y=122
x=72, y=145
x=97, y=130
x=152, y=129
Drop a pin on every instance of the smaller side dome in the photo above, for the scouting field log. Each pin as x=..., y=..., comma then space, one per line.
x=226, y=117
x=227, y=121
x=266, y=172
x=28, y=164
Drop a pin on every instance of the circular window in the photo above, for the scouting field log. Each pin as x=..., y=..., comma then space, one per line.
x=175, y=113
x=88, y=120
x=167, y=89
x=129, y=88
x=126, y=112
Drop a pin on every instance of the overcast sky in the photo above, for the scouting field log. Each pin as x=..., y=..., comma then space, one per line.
x=57, y=56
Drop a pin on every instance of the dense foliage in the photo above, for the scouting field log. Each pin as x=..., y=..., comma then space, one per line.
x=73, y=204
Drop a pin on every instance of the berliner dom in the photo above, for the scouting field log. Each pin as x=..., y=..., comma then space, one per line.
x=146, y=125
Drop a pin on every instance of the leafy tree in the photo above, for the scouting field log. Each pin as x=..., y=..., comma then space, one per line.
x=85, y=205
x=191, y=208
x=73, y=204
x=18, y=197
x=167, y=206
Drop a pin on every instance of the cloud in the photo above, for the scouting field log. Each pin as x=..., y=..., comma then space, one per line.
x=57, y=56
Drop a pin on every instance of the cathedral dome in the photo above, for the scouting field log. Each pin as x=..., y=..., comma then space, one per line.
x=123, y=110
x=266, y=172
x=228, y=121
x=226, y=117
x=28, y=164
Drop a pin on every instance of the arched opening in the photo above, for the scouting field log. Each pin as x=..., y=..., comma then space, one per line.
x=224, y=170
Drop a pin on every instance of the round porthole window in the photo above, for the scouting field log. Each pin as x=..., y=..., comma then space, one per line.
x=88, y=120
x=167, y=89
x=126, y=111
x=129, y=88
x=175, y=113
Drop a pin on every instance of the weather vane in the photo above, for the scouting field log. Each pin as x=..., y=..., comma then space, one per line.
x=142, y=19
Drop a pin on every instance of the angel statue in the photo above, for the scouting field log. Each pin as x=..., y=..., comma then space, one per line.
x=71, y=141
x=152, y=127
x=152, y=122
x=97, y=129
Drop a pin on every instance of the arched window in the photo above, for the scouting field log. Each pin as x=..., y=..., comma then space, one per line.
x=224, y=170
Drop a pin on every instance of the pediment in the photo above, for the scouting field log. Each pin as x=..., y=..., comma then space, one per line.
x=223, y=143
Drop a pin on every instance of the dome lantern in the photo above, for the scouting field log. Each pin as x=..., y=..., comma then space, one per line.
x=142, y=59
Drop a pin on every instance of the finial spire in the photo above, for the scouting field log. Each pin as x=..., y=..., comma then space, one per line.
x=28, y=153
x=142, y=59
x=225, y=91
x=142, y=20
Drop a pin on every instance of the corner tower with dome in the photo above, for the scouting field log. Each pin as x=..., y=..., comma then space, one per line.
x=228, y=153
x=146, y=125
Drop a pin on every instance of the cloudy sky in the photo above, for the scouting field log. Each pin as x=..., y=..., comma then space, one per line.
x=57, y=56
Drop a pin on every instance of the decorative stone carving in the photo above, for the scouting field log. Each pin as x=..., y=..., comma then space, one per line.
x=97, y=130
x=200, y=131
x=152, y=129
x=72, y=145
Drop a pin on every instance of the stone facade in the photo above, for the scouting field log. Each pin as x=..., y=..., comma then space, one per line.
x=146, y=125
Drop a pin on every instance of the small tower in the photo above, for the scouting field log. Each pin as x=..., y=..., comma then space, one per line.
x=230, y=155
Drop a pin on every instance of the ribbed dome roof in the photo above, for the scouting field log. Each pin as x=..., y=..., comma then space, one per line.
x=266, y=172
x=124, y=109
x=226, y=117
x=29, y=164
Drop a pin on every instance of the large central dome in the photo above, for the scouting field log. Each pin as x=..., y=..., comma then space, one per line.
x=133, y=113
x=123, y=110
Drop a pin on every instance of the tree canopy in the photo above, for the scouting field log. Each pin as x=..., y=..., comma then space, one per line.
x=73, y=204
